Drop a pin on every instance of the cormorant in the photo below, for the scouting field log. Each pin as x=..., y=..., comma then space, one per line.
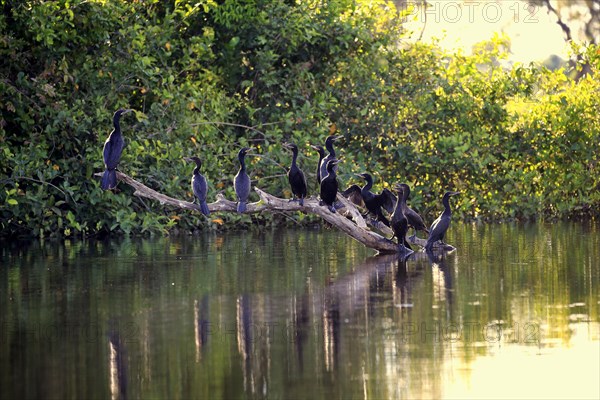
x=372, y=202
x=414, y=219
x=241, y=182
x=199, y=185
x=331, y=156
x=399, y=222
x=113, y=147
x=329, y=185
x=441, y=224
x=296, y=176
x=321, y=151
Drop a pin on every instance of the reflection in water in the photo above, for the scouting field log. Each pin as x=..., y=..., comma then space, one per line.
x=244, y=326
x=442, y=280
x=201, y=325
x=301, y=324
x=331, y=328
x=303, y=315
x=117, y=366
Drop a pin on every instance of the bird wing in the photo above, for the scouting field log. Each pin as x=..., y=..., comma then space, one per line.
x=438, y=228
x=388, y=200
x=352, y=193
x=199, y=186
x=113, y=147
x=415, y=219
x=107, y=150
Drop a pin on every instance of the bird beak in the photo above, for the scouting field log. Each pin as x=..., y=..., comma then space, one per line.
x=288, y=145
x=337, y=137
x=314, y=147
x=187, y=159
x=128, y=110
x=454, y=193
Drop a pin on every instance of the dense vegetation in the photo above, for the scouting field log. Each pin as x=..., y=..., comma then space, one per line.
x=517, y=141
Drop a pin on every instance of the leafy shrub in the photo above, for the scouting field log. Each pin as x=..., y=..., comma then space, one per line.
x=518, y=142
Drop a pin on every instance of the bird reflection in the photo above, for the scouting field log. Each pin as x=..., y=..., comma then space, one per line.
x=117, y=365
x=302, y=329
x=439, y=261
x=402, y=287
x=331, y=331
x=201, y=325
x=244, y=330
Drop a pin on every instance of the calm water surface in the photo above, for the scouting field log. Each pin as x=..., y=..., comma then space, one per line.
x=513, y=312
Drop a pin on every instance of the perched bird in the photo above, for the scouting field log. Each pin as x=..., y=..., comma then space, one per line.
x=329, y=185
x=352, y=193
x=296, y=176
x=199, y=185
x=321, y=152
x=113, y=147
x=372, y=202
x=440, y=226
x=414, y=219
x=399, y=222
x=331, y=156
x=241, y=182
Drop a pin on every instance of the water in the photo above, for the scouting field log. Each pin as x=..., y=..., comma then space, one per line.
x=513, y=312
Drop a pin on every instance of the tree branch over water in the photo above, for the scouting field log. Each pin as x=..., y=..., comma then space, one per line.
x=348, y=219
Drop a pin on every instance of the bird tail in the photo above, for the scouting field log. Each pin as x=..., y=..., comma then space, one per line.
x=241, y=207
x=204, y=208
x=109, y=179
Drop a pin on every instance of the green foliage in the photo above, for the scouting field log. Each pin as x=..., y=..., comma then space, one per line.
x=517, y=141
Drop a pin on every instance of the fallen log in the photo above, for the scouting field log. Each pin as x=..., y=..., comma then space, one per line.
x=348, y=219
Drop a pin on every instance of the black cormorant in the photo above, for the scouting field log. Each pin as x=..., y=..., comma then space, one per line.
x=321, y=152
x=113, y=147
x=331, y=156
x=329, y=185
x=241, y=182
x=296, y=176
x=399, y=222
x=414, y=219
x=372, y=202
x=199, y=185
x=440, y=226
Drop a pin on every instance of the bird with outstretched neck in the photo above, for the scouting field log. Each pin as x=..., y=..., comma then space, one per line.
x=321, y=152
x=241, y=182
x=331, y=156
x=399, y=222
x=438, y=229
x=414, y=219
x=329, y=186
x=296, y=176
x=199, y=185
x=113, y=147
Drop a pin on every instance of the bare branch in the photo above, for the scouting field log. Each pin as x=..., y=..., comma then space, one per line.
x=348, y=219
